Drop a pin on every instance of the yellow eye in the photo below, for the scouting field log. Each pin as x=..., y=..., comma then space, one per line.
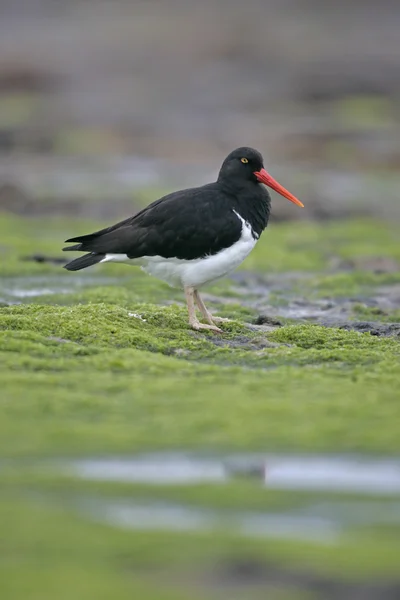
x=244, y=160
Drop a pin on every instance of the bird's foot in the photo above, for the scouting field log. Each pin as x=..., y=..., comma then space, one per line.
x=220, y=319
x=197, y=326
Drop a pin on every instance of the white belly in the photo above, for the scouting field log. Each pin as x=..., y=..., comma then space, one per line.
x=194, y=273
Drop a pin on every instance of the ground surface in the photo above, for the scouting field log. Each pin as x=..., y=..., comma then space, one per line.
x=103, y=107
x=102, y=363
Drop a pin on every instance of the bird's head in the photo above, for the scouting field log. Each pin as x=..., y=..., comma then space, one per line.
x=246, y=164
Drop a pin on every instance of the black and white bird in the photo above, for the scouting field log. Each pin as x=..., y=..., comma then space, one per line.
x=195, y=236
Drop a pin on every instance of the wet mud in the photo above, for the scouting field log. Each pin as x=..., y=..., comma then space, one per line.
x=286, y=298
x=273, y=300
x=252, y=575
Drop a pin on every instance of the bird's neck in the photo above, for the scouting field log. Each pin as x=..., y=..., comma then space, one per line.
x=252, y=201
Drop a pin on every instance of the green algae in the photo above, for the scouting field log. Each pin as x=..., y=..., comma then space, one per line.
x=350, y=284
x=374, y=313
x=122, y=562
x=109, y=334
x=114, y=368
x=72, y=558
x=315, y=384
x=311, y=246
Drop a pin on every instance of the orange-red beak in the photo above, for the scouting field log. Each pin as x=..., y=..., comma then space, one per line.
x=264, y=177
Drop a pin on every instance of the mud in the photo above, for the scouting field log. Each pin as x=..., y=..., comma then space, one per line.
x=341, y=312
x=274, y=300
x=378, y=329
x=247, y=573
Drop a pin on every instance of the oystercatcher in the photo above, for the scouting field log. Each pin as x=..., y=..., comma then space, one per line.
x=195, y=236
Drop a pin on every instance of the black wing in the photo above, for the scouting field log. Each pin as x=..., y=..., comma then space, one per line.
x=187, y=224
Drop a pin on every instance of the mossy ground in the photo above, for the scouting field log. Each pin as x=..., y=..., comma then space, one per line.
x=112, y=368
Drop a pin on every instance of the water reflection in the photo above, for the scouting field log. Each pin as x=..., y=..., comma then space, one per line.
x=175, y=517
x=332, y=473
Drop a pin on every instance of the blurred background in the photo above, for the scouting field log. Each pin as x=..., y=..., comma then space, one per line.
x=105, y=105
x=100, y=99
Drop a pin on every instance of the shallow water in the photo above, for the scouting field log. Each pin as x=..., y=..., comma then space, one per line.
x=314, y=518
x=317, y=521
x=318, y=473
x=154, y=469
x=13, y=290
x=175, y=517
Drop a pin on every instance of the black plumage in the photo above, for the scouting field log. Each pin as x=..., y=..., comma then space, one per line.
x=191, y=224
x=187, y=224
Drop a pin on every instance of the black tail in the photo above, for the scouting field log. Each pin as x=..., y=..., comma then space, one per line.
x=84, y=261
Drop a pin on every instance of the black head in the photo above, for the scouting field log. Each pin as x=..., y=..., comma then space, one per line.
x=245, y=166
x=241, y=164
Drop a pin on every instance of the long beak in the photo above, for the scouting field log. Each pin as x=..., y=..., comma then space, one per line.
x=264, y=177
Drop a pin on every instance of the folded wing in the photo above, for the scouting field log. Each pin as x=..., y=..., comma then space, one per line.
x=185, y=224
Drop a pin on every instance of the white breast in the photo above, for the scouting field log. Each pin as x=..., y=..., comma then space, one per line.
x=195, y=273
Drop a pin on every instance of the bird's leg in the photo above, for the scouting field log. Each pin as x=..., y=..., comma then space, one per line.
x=205, y=312
x=193, y=320
x=202, y=307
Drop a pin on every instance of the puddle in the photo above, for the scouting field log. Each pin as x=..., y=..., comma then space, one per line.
x=154, y=469
x=315, y=473
x=175, y=517
x=32, y=293
x=317, y=521
x=340, y=474
x=308, y=518
x=13, y=290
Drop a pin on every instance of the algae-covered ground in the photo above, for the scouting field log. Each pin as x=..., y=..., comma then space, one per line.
x=102, y=363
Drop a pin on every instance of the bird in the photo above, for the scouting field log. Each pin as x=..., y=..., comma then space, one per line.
x=192, y=237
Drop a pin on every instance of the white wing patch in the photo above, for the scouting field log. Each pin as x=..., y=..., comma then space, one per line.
x=246, y=226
